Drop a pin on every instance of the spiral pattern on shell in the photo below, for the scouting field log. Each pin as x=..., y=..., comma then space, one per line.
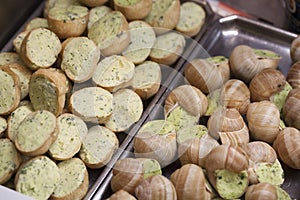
x=287, y=147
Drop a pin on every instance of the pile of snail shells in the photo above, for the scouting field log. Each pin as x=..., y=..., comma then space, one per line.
x=254, y=103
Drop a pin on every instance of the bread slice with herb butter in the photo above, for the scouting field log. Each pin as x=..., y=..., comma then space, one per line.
x=164, y=15
x=68, y=22
x=142, y=38
x=92, y=104
x=74, y=181
x=10, y=90
x=80, y=56
x=10, y=57
x=167, y=48
x=192, y=18
x=10, y=159
x=133, y=9
x=3, y=125
x=36, y=133
x=37, y=178
x=98, y=147
x=15, y=119
x=71, y=130
x=112, y=72
x=17, y=41
x=127, y=109
x=47, y=90
x=146, y=80
x=24, y=75
x=36, y=22
x=40, y=48
x=110, y=33
x=96, y=13
x=49, y=4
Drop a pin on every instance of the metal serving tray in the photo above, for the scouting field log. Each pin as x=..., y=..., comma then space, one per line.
x=220, y=39
x=97, y=176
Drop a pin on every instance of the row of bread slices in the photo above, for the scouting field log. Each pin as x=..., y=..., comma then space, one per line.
x=110, y=32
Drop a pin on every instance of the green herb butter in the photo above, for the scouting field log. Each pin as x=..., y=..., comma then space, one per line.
x=231, y=185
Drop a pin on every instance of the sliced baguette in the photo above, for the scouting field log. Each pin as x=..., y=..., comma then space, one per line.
x=17, y=41
x=36, y=133
x=110, y=33
x=68, y=22
x=71, y=130
x=37, y=22
x=47, y=90
x=133, y=9
x=10, y=160
x=98, y=147
x=96, y=13
x=10, y=90
x=142, y=38
x=192, y=18
x=15, y=119
x=93, y=3
x=92, y=104
x=3, y=125
x=146, y=80
x=167, y=48
x=37, y=178
x=40, y=48
x=49, y=4
x=164, y=15
x=113, y=71
x=79, y=58
x=24, y=75
x=10, y=57
x=74, y=180
x=127, y=109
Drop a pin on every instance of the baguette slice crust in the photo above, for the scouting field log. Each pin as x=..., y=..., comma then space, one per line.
x=167, y=48
x=36, y=133
x=15, y=119
x=37, y=22
x=110, y=33
x=10, y=90
x=142, y=38
x=133, y=9
x=164, y=15
x=40, y=48
x=93, y=3
x=47, y=90
x=146, y=80
x=113, y=71
x=24, y=75
x=192, y=18
x=79, y=58
x=10, y=57
x=96, y=13
x=74, y=181
x=37, y=178
x=68, y=22
x=92, y=104
x=71, y=131
x=127, y=109
x=98, y=147
x=10, y=159
x=3, y=125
